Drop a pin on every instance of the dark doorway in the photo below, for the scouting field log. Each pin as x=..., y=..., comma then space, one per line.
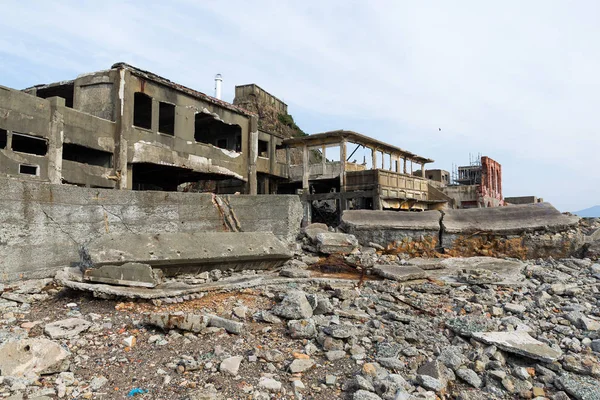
x=166, y=118
x=142, y=110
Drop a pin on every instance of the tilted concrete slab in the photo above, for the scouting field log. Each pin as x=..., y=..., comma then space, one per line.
x=521, y=343
x=384, y=227
x=511, y=220
x=400, y=273
x=502, y=272
x=129, y=274
x=191, y=252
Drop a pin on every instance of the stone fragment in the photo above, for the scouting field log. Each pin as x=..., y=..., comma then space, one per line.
x=364, y=395
x=336, y=243
x=97, y=382
x=227, y=324
x=269, y=384
x=66, y=328
x=231, y=365
x=580, y=387
x=129, y=274
x=178, y=320
x=39, y=356
x=293, y=306
x=430, y=383
x=334, y=355
x=469, y=376
x=515, y=308
x=301, y=365
x=521, y=343
x=302, y=329
x=295, y=273
x=400, y=273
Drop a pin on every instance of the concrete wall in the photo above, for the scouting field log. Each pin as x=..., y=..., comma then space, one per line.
x=43, y=225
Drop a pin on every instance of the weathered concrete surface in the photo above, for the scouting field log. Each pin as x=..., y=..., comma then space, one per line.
x=501, y=271
x=399, y=273
x=384, y=227
x=39, y=356
x=129, y=274
x=512, y=220
x=519, y=342
x=192, y=322
x=191, y=252
x=44, y=225
x=66, y=328
x=332, y=243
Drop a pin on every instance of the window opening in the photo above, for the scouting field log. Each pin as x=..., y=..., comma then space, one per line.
x=142, y=110
x=29, y=144
x=166, y=118
x=86, y=155
x=3, y=138
x=28, y=169
x=263, y=148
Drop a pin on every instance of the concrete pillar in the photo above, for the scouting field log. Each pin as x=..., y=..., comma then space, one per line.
x=423, y=170
x=155, y=112
x=288, y=161
x=391, y=161
x=55, y=139
x=404, y=168
x=123, y=100
x=305, y=168
x=272, y=155
x=253, y=155
x=343, y=157
x=374, y=158
x=324, y=157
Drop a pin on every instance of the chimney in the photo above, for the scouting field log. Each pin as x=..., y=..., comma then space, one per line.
x=218, y=84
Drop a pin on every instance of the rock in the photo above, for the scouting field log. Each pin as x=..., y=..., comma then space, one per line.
x=227, y=324
x=515, y=308
x=519, y=342
x=336, y=243
x=231, y=365
x=364, y=395
x=452, y=358
x=469, y=376
x=273, y=355
x=39, y=356
x=335, y=355
x=295, y=273
x=430, y=383
x=208, y=393
x=301, y=365
x=269, y=384
x=302, y=329
x=312, y=230
x=129, y=274
x=294, y=306
x=129, y=341
x=324, y=306
x=340, y=331
x=97, y=382
x=179, y=320
x=465, y=326
x=596, y=345
x=240, y=311
x=330, y=380
x=66, y=328
x=580, y=387
x=400, y=273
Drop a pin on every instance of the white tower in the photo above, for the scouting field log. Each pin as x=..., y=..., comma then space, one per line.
x=218, y=85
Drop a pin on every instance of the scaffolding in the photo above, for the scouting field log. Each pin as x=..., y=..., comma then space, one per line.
x=467, y=174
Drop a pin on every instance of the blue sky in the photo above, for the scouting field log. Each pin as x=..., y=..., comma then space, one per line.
x=516, y=81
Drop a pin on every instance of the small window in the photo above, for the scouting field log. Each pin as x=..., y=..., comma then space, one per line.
x=166, y=118
x=142, y=110
x=263, y=148
x=86, y=155
x=431, y=177
x=3, y=138
x=28, y=169
x=29, y=144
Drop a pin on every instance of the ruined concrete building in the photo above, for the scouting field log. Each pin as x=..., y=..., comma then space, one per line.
x=126, y=128
x=476, y=185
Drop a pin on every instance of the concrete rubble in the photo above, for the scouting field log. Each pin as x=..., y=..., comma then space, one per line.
x=361, y=323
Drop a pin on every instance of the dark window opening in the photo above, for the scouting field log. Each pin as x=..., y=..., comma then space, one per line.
x=29, y=144
x=3, y=138
x=86, y=155
x=146, y=176
x=166, y=118
x=142, y=110
x=431, y=177
x=209, y=130
x=263, y=148
x=28, y=169
x=64, y=91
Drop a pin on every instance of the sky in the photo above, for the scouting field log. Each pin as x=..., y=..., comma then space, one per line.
x=516, y=81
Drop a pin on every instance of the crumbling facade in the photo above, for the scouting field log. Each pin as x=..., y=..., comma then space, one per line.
x=477, y=185
x=126, y=128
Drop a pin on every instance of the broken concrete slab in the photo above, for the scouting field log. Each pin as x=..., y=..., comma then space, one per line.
x=39, y=356
x=399, y=273
x=520, y=343
x=336, y=243
x=580, y=387
x=505, y=272
x=511, y=220
x=129, y=274
x=312, y=230
x=192, y=252
x=192, y=322
x=385, y=227
x=66, y=328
